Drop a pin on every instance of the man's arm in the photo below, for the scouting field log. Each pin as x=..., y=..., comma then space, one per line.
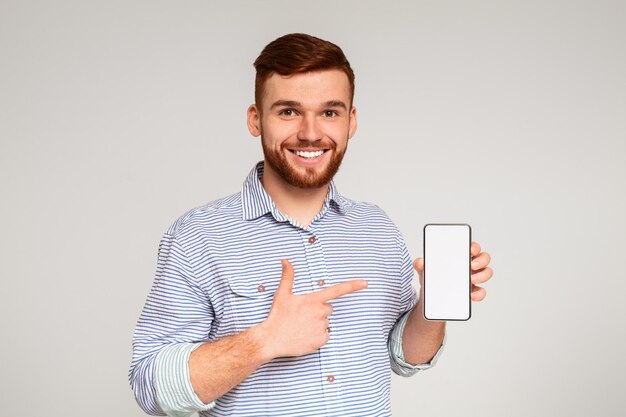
x=217, y=367
x=177, y=314
x=296, y=325
x=421, y=338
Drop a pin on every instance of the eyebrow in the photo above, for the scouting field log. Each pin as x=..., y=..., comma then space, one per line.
x=291, y=103
x=285, y=103
x=336, y=103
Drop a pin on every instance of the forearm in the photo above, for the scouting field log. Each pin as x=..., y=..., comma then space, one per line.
x=421, y=338
x=216, y=367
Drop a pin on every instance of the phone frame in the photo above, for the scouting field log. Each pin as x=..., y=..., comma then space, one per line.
x=469, y=280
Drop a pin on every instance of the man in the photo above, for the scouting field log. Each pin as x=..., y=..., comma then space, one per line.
x=286, y=299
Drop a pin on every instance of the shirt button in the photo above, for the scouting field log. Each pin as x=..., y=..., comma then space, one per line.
x=330, y=378
x=261, y=288
x=321, y=282
x=312, y=239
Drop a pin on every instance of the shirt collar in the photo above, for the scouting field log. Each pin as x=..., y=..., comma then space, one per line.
x=256, y=201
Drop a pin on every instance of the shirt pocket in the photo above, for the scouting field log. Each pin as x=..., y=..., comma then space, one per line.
x=250, y=299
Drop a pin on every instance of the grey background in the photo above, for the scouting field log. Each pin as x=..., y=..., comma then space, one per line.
x=118, y=116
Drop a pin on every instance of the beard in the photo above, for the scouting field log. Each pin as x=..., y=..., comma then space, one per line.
x=310, y=178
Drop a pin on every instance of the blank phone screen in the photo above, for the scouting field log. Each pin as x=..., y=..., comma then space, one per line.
x=447, y=271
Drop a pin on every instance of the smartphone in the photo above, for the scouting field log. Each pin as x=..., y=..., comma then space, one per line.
x=447, y=271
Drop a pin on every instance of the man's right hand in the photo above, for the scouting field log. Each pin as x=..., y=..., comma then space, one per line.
x=298, y=324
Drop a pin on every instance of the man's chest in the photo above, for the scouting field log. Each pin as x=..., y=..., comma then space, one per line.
x=240, y=272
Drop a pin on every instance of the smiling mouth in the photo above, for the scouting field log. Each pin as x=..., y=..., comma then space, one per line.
x=309, y=154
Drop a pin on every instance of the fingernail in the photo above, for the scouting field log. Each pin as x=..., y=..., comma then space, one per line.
x=364, y=284
x=474, y=263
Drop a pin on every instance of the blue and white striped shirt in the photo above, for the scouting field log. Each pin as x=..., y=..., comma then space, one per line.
x=212, y=262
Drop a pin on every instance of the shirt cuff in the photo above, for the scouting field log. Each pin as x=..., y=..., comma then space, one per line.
x=398, y=364
x=174, y=391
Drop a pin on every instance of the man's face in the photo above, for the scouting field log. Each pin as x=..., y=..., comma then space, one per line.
x=305, y=123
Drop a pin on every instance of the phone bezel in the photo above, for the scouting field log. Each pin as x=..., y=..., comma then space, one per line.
x=469, y=281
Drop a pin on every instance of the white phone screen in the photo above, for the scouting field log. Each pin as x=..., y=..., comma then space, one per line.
x=447, y=271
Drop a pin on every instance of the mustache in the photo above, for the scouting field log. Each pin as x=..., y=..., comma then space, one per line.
x=305, y=144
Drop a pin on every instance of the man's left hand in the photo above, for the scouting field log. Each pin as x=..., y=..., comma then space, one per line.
x=480, y=271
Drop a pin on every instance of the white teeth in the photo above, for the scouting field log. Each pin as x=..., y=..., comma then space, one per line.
x=309, y=154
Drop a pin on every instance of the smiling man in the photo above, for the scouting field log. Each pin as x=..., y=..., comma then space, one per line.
x=287, y=299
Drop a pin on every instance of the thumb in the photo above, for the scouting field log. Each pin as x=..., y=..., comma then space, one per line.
x=286, y=279
x=418, y=264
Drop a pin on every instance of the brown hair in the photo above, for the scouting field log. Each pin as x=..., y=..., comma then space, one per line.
x=298, y=53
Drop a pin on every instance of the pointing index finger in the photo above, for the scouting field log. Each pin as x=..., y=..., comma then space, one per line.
x=337, y=290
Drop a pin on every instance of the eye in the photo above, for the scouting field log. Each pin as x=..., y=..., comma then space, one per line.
x=330, y=113
x=287, y=112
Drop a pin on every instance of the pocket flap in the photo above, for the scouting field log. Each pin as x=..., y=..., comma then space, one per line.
x=255, y=286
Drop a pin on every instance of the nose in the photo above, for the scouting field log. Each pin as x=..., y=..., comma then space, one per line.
x=309, y=129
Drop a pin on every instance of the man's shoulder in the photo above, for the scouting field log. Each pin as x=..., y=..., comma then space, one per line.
x=350, y=204
x=213, y=212
x=366, y=210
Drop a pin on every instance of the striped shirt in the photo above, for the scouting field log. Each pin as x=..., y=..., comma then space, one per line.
x=218, y=268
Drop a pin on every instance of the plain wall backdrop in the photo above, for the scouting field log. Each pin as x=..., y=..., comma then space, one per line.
x=118, y=116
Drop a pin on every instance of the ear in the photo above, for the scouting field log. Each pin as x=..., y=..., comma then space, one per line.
x=352, y=122
x=254, y=120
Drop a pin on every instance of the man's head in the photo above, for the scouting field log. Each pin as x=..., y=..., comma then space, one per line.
x=303, y=110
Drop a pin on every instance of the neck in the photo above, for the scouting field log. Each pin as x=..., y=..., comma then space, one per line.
x=301, y=204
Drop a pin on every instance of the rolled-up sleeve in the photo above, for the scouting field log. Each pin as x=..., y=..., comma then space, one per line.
x=175, y=320
x=398, y=364
x=175, y=393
